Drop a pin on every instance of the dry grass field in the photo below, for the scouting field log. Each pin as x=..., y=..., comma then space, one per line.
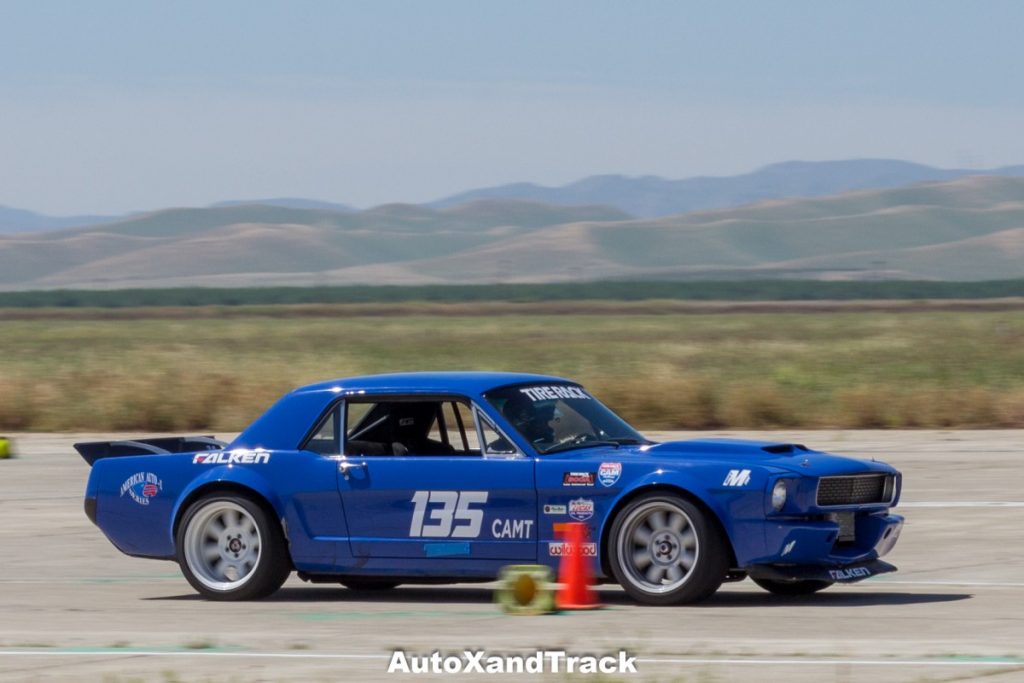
x=667, y=366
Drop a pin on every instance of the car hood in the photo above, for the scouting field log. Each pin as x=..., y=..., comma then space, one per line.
x=784, y=456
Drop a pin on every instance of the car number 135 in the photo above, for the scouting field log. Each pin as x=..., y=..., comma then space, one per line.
x=451, y=517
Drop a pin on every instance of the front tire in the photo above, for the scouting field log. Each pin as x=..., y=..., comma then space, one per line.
x=229, y=548
x=664, y=550
x=804, y=587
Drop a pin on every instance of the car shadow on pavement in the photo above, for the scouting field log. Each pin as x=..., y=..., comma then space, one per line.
x=418, y=594
x=839, y=598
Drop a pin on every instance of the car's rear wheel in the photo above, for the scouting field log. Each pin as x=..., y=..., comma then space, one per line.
x=369, y=584
x=804, y=587
x=664, y=550
x=229, y=548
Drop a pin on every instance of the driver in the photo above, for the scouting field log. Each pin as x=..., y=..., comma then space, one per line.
x=532, y=420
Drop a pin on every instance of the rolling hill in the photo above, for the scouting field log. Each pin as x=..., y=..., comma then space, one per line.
x=967, y=229
x=651, y=196
x=645, y=197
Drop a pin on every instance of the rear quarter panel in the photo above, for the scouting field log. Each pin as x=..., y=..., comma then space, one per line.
x=299, y=487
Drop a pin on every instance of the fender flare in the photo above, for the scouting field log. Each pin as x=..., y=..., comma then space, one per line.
x=667, y=480
x=228, y=477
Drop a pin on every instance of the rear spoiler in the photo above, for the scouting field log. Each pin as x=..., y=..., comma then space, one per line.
x=96, y=450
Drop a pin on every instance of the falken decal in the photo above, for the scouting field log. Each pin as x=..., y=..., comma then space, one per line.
x=142, y=486
x=609, y=472
x=578, y=479
x=737, y=478
x=848, y=574
x=239, y=456
x=553, y=393
x=581, y=509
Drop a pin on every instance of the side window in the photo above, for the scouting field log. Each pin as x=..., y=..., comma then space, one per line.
x=367, y=428
x=468, y=427
x=406, y=426
x=325, y=440
x=355, y=417
x=494, y=442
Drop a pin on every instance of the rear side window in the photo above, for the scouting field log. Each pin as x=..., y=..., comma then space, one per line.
x=325, y=440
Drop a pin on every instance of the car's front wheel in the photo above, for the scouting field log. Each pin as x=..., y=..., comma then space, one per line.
x=664, y=550
x=803, y=587
x=229, y=548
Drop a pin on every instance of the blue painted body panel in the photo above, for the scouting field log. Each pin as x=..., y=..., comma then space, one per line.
x=479, y=513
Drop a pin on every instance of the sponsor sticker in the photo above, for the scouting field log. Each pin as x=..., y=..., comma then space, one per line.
x=737, y=478
x=578, y=479
x=581, y=509
x=512, y=528
x=239, y=456
x=553, y=393
x=562, y=549
x=555, y=510
x=142, y=486
x=445, y=549
x=609, y=472
x=851, y=573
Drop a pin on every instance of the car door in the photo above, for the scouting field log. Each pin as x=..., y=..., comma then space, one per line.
x=418, y=481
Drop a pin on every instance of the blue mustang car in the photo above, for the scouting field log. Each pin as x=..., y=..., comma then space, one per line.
x=446, y=477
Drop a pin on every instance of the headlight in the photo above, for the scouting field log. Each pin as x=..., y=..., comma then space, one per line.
x=779, y=495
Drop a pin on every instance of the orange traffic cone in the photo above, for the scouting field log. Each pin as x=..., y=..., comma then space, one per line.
x=574, y=572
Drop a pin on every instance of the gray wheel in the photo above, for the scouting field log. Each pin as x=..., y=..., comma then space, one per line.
x=663, y=551
x=229, y=549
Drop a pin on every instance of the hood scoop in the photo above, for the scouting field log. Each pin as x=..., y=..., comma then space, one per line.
x=724, y=448
x=785, y=448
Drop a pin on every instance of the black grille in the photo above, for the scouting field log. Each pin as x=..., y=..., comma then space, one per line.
x=854, y=490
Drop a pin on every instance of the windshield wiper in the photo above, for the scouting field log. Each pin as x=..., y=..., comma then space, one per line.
x=629, y=441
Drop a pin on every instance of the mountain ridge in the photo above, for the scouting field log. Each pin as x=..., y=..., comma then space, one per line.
x=644, y=196
x=971, y=228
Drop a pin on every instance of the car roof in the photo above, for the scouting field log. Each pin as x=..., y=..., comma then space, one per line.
x=421, y=382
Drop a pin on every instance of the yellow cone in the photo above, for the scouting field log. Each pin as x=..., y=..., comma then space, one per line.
x=6, y=451
x=526, y=589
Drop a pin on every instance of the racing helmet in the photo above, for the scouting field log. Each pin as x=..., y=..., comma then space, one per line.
x=531, y=418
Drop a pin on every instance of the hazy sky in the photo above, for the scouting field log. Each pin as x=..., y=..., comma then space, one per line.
x=116, y=106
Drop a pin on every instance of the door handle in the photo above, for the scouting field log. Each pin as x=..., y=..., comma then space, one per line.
x=346, y=465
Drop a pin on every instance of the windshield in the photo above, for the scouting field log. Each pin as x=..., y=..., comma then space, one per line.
x=558, y=417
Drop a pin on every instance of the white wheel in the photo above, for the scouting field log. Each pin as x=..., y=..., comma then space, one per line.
x=229, y=549
x=663, y=551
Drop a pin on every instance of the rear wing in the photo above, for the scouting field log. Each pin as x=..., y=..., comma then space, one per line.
x=96, y=450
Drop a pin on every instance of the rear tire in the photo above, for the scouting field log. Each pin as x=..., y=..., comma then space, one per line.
x=663, y=550
x=805, y=587
x=229, y=548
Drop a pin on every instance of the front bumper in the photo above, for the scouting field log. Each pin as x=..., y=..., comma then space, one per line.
x=846, y=574
x=796, y=542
